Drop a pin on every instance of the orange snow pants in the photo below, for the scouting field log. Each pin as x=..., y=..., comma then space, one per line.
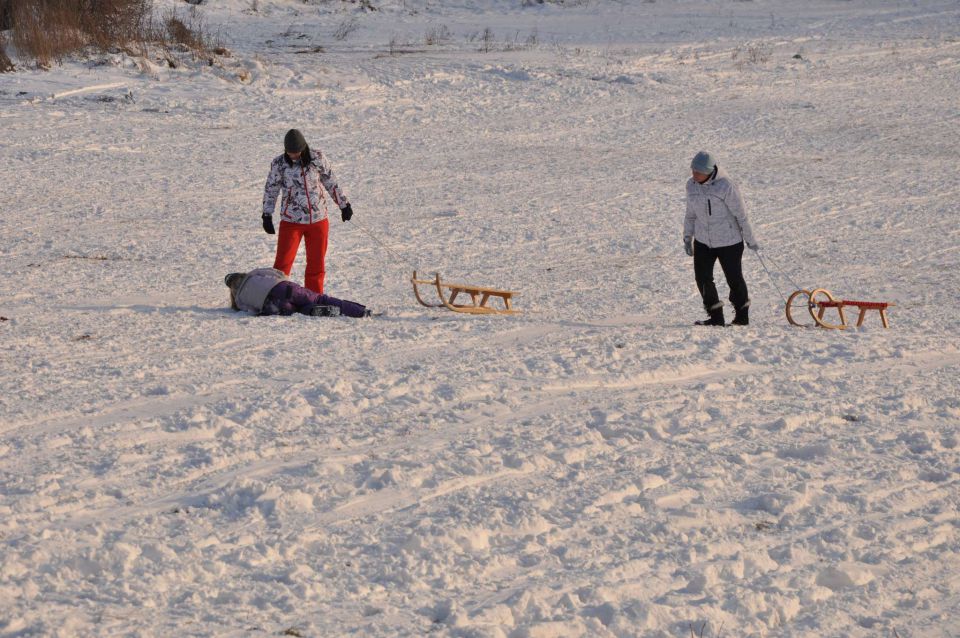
x=288, y=243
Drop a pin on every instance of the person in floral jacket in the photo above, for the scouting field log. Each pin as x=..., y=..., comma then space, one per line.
x=304, y=178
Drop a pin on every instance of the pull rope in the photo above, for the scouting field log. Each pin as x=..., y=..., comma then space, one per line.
x=772, y=280
x=779, y=272
x=783, y=274
x=398, y=258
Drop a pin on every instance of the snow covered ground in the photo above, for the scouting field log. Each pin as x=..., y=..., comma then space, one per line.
x=595, y=466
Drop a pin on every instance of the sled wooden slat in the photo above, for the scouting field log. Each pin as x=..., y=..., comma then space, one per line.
x=818, y=309
x=479, y=296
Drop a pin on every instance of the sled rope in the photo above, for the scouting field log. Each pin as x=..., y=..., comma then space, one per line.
x=399, y=259
x=772, y=280
x=779, y=272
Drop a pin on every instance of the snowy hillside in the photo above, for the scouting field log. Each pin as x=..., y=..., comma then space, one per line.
x=595, y=466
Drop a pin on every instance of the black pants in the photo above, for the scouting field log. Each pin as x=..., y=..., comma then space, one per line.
x=730, y=258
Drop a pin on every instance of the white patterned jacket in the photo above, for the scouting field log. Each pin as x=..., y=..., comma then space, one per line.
x=303, y=185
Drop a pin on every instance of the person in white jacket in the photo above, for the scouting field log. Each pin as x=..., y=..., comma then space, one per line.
x=715, y=227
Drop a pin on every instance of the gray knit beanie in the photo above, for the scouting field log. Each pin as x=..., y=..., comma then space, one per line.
x=703, y=162
x=294, y=142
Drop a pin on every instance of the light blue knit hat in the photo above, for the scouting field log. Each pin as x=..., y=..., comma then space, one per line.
x=703, y=162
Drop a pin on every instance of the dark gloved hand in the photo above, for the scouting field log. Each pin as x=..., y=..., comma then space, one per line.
x=688, y=245
x=346, y=213
x=752, y=245
x=268, y=225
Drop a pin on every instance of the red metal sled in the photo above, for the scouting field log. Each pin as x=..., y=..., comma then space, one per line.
x=820, y=299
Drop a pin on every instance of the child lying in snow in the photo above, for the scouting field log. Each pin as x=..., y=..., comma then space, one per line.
x=267, y=291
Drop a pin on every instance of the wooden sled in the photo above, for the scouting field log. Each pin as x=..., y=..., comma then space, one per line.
x=818, y=306
x=479, y=297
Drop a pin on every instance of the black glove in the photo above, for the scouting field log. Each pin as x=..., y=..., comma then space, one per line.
x=346, y=213
x=268, y=225
x=688, y=245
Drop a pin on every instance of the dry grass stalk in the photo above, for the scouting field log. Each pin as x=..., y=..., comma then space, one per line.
x=6, y=64
x=47, y=31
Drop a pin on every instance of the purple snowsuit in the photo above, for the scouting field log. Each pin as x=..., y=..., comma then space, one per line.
x=267, y=291
x=288, y=297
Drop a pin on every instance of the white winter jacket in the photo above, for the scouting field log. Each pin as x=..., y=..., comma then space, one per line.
x=715, y=213
x=253, y=290
x=303, y=187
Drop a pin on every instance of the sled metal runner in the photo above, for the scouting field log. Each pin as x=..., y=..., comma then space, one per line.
x=820, y=299
x=479, y=296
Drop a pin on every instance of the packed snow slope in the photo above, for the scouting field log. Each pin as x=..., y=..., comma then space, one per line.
x=595, y=466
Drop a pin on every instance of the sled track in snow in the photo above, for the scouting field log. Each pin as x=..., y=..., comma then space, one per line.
x=664, y=386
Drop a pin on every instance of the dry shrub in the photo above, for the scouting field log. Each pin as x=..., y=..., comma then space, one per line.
x=116, y=23
x=753, y=54
x=179, y=31
x=47, y=31
x=6, y=64
x=189, y=30
x=6, y=15
x=438, y=35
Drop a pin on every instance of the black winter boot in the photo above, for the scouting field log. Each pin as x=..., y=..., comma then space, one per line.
x=742, y=318
x=716, y=318
x=324, y=311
